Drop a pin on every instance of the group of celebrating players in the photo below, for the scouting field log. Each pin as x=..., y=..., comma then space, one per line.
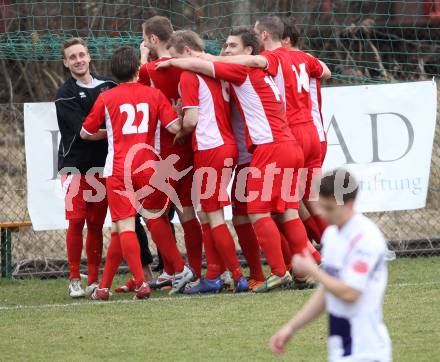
x=179, y=125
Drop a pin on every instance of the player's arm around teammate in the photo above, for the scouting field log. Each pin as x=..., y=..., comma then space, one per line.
x=276, y=62
x=310, y=72
x=269, y=139
x=132, y=112
x=157, y=32
x=205, y=103
x=240, y=41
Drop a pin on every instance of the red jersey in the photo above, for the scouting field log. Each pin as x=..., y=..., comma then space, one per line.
x=167, y=81
x=315, y=96
x=279, y=66
x=131, y=112
x=259, y=102
x=304, y=67
x=213, y=127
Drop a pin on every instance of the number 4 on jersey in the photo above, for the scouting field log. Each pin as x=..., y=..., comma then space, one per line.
x=129, y=127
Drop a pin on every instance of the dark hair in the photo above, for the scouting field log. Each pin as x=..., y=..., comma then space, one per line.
x=291, y=31
x=72, y=41
x=183, y=38
x=340, y=185
x=273, y=25
x=248, y=38
x=124, y=64
x=159, y=26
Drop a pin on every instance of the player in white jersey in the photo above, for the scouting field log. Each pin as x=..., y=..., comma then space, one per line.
x=352, y=280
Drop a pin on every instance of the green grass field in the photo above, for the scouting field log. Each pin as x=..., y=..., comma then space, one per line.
x=39, y=322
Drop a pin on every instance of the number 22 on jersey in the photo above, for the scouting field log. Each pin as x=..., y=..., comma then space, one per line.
x=129, y=126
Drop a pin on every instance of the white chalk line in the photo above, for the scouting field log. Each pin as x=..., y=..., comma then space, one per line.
x=177, y=298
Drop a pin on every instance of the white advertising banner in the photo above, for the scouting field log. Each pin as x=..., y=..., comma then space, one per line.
x=382, y=133
x=45, y=197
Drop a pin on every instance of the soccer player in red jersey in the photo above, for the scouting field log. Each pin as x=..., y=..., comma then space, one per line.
x=132, y=112
x=309, y=93
x=298, y=111
x=275, y=155
x=157, y=32
x=205, y=105
x=277, y=62
x=241, y=41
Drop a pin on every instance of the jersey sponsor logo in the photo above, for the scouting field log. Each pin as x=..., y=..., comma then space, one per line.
x=360, y=267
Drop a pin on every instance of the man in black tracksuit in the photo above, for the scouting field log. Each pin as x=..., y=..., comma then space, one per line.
x=79, y=162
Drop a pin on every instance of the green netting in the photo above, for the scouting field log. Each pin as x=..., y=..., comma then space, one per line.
x=360, y=40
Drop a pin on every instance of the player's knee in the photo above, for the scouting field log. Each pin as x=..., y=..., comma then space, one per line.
x=77, y=224
x=151, y=223
x=216, y=218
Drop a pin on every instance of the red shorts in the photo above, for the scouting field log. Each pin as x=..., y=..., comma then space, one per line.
x=123, y=201
x=307, y=137
x=183, y=185
x=238, y=191
x=323, y=151
x=278, y=195
x=85, y=198
x=212, y=176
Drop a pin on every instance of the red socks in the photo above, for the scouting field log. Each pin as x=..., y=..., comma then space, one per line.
x=131, y=252
x=194, y=244
x=322, y=225
x=162, y=235
x=94, y=251
x=74, y=244
x=268, y=236
x=225, y=245
x=251, y=250
x=287, y=254
x=296, y=235
x=315, y=226
x=213, y=260
x=112, y=261
x=312, y=229
x=315, y=253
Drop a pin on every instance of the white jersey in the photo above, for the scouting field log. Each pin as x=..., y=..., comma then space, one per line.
x=356, y=255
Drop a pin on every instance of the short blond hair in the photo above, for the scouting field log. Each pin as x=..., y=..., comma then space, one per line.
x=73, y=41
x=159, y=26
x=183, y=38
